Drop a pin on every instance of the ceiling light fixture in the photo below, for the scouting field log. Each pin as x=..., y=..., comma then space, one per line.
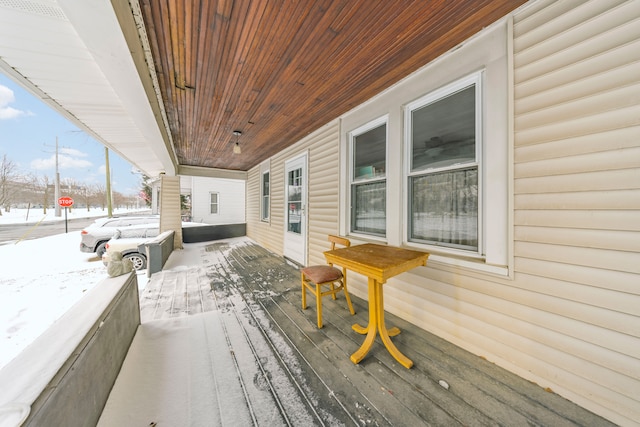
x=236, y=146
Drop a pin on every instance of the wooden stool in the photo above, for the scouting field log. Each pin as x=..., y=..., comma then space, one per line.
x=316, y=276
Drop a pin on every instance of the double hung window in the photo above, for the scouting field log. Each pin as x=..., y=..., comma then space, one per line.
x=368, y=178
x=443, y=152
x=264, y=192
x=448, y=152
x=214, y=203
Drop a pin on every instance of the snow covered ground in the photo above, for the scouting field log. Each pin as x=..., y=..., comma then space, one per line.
x=41, y=279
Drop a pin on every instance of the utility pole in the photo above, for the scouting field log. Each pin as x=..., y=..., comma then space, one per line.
x=108, y=190
x=57, y=188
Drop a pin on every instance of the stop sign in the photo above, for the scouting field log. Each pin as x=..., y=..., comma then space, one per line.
x=65, y=202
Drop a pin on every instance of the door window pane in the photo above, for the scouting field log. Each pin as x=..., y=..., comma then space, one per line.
x=294, y=197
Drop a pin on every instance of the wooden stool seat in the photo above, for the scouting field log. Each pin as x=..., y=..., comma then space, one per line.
x=322, y=273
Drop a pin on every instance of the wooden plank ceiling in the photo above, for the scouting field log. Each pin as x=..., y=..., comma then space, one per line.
x=276, y=70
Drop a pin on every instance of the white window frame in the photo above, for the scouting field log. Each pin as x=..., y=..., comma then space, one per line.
x=489, y=51
x=474, y=79
x=217, y=204
x=265, y=199
x=384, y=120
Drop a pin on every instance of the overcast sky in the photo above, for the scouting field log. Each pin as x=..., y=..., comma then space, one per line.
x=28, y=132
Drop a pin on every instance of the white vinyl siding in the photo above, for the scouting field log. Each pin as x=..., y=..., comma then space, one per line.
x=577, y=197
x=252, y=202
x=323, y=191
x=171, y=216
x=230, y=203
x=323, y=195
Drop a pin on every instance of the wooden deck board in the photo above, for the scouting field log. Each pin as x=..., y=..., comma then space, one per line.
x=262, y=292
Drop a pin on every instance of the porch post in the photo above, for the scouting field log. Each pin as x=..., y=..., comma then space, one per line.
x=170, y=213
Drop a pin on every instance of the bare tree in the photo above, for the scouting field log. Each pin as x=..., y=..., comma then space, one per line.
x=98, y=195
x=46, y=194
x=18, y=189
x=8, y=185
x=124, y=201
x=27, y=190
x=42, y=191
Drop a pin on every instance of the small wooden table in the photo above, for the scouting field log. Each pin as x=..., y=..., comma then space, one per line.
x=378, y=263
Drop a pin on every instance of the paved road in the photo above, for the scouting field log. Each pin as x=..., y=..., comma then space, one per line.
x=13, y=232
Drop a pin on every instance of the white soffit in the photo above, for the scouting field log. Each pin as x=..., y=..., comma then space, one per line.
x=73, y=56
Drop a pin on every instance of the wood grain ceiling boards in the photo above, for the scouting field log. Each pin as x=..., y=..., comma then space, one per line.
x=278, y=69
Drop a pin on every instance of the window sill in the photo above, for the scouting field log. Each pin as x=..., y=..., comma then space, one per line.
x=454, y=260
x=442, y=260
x=454, y=263
x=366, y=238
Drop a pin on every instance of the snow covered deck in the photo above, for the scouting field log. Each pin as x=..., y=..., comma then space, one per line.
x=223, y=341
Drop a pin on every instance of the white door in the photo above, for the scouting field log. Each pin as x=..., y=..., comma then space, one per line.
x=295, y=193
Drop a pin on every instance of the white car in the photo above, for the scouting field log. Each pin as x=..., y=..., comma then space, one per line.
x=128, y=241
x=94, y=237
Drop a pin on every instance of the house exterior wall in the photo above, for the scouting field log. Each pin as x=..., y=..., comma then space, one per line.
x=322, y=147
x=556, y=299
x=577, y=198
x=231, y=200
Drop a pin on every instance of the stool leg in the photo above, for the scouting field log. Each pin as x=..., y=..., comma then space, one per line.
x=346, y=292
x=304, y=293
x=319, y=305
x=347, y=297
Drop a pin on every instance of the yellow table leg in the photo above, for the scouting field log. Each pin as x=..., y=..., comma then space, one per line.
x=362, y=330
x=384, y=334
x=393, y=331
x=376, y=324
x=370, y=330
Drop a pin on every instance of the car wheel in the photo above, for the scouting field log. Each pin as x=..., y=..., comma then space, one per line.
x=100, y=250
x=139, y=261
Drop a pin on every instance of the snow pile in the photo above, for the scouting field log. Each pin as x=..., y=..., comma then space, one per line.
x=40, y=280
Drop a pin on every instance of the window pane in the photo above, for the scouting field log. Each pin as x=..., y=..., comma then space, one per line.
x=294, y=196
x=369, y=208
x=265, y=184
x=214, y=203
x=444, y=132
x=444, y=208
x=265, y=207
x=369, y=153
x=265, y=196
